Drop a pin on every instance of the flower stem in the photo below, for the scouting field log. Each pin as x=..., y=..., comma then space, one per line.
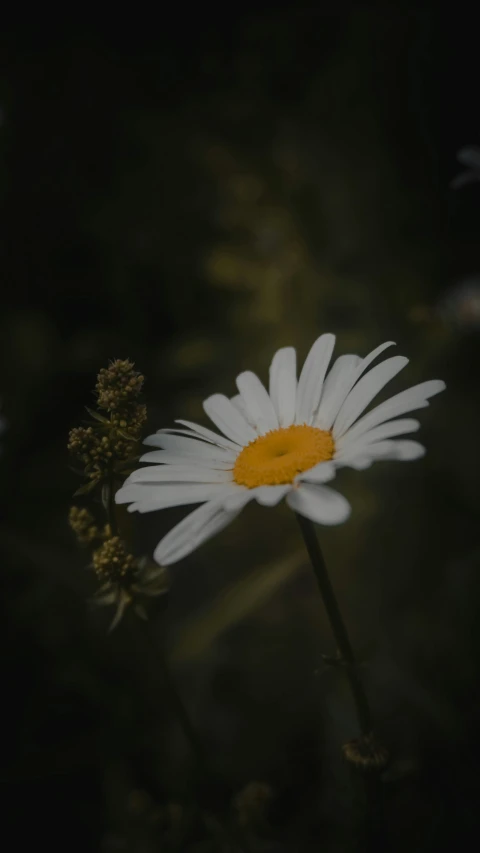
x=108, y=496
x=337, y=624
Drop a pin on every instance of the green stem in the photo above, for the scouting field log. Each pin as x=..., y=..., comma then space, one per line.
x=337, y=624
x=109, y=505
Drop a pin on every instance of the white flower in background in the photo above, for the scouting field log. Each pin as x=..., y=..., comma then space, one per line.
x=469, y=157
x=285, y=442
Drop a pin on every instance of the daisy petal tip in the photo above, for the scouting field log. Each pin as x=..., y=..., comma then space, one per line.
x=340, y=518
x=343, y=514
x=208, y=401
x=320, y=504
x=151, y=440
x=158, y=556
x=409, y=451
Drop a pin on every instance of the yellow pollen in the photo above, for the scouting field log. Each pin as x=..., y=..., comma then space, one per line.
x=281, y=454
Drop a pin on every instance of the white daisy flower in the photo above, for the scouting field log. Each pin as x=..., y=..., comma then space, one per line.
x=283, y=443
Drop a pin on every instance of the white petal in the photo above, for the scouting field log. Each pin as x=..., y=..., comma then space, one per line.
x=319, y=503
x=190, y=447
x=363, y=455
x=321, y=473
x=238, y=498
x=240, y=405
x=209, y=435
x=338, y=383
x=228, y=419
x=179, y=473
x=311, y=378
x=364, y=392
x=166, y=457
x=406, y=451
x=360, y=463
x=346, y=371
x=127, y=493
x=377, y=450
x=258, y=404
x=373, y=355
x=193, y=531
x=407, y=401
x=151, y=496
x=283, y=385
x=387, y=430
x=191, y=434
x=271, y=495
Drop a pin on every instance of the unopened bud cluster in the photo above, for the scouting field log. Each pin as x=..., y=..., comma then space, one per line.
x=84, y=526
x=107, y=443
x=106, y=450
x=118, y=386
x=114, y=564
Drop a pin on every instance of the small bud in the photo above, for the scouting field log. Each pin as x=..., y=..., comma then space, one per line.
x=366, y=753
x=83, y=525
x=113, y=563
x=130, y=422
x=91, y=450
x=80, y=440
x=125, y=580
x=118, y=386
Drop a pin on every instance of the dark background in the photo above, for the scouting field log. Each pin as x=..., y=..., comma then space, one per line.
x=192, y=194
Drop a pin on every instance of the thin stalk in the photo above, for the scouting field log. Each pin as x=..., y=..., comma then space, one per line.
x=108, y=498
x=337, y=624
x=374, y=828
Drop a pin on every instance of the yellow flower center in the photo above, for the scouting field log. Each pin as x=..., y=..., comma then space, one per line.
x=281, y=454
